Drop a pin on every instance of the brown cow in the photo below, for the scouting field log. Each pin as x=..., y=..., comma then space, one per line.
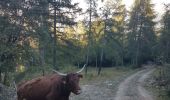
x=52, y=87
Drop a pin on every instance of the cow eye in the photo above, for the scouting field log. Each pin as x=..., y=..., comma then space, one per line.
x=74, y=74
x=75, y=78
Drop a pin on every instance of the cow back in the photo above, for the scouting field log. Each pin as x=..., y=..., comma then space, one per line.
x=40, y=88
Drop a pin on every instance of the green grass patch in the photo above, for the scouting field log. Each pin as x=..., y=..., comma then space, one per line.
x=106, y=74
x=91, y=76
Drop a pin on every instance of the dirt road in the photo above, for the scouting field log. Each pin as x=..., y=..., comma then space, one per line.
x=132, y=88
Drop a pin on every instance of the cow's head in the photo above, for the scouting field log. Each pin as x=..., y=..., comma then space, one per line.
x=71, y=80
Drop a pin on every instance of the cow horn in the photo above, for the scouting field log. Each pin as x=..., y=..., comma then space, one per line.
x=59, y=73
x=81, y=69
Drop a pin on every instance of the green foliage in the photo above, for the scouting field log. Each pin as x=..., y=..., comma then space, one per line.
x=160, y=76
x=10, y=50
x=164, y=37
x=141, y=36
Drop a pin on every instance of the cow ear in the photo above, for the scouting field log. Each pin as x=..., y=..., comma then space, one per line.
x=80, y=76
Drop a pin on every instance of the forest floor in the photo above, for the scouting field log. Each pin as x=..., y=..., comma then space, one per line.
x=127, y=87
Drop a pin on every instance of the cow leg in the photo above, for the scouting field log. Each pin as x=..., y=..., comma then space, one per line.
x=65, y=98
x=50, y=96
x=19, y=97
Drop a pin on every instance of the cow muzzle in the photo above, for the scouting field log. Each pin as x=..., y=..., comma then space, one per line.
x=78, y=92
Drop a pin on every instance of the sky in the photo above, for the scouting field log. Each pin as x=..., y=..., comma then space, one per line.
x=159, y=7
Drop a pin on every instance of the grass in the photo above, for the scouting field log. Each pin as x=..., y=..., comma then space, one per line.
x=91, y=76
x=106, y=74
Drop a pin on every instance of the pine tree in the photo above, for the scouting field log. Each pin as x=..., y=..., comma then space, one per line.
x=165, y=35
x=11, y=38
x=63, y=12
x=92, y=12
x=141, y=36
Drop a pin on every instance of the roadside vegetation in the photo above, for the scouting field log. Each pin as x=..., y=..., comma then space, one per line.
x=159, y=82
x=90, y=77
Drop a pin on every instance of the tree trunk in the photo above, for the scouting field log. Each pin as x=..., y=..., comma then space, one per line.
x=5, y=81
x=96, y=61
x=122, y=57
x=42, y=60
x=78, y=64
x=167, y=52
x=0, y=76
x=137, y=54
x=54, y=39
x=87, y=60
x=101, y=60
x=122, y=61
x=137, y=63
x=89, y=37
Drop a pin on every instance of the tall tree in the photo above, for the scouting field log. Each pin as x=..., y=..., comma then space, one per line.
x=92, y=13
x=141, y=32
x=165, y=35
x=63, y=12
x=14, y=42
x=37, y=17
x=115, y=31
x=114, y=14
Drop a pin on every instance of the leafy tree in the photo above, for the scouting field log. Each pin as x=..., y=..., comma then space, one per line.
x=13, y=41
x=141, y=36
x=63, y=14
x=165, y=35
x=114, y=14
x=92, y=11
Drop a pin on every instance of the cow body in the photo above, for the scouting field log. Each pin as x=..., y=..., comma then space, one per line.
x=53, y=87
